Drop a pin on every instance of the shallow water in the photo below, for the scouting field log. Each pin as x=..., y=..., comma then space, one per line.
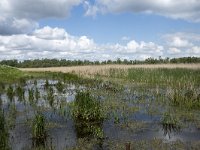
x=61, y=130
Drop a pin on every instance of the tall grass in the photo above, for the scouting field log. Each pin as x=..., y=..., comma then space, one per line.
x=88, y=115
x=39, y=130
x=4, y=136
x=10, y=93
x=159, y=76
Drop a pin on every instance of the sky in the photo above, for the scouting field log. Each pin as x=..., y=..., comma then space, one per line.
x=99, y=29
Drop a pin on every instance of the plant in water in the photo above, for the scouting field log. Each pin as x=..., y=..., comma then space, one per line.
x=31, y=96
x=37, y=94
x=60, y=86
x=170, y=123
x=20, y=93
x=88, y=115
x=50, y=96
x=10, y=93
x=4, y=136
x=39, y=130
x=185, y=98
x=46, y=85
x=35, y=82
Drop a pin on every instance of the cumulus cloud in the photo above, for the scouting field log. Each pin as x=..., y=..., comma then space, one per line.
x=183, y=44
x=21, y=16
x=179, y=42
x=179, y=9
x=50, y=42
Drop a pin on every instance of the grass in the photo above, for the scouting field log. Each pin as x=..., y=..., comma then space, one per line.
x=10, y=74
x=160, y=76
x=88, y=115
x=185, y=98
x=10, y=93
x=4, y=136
x=170, y=123
x=116, y=94
x=39, y=130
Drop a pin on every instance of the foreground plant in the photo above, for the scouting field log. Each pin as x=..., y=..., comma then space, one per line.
x=4, y=136
x=10, y=93
x=88, y=115
x=20, y=93
x=170, y=123
x=39, y=130
x=59, y=86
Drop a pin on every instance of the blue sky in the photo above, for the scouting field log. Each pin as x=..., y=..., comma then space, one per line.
x=99, y=30
x=112, y=27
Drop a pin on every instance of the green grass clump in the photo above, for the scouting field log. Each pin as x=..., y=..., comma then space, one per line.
x=88, y=115
x=59, y=86
x=39, y=130
x=86, y=107
x=10, y=93
x=4, y=136
x=20, y=93
x=170, y=123
x=50, y=96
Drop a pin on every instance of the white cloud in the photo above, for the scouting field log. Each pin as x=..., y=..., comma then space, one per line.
x=195, y=50
x=174, y=50
x=179, y=42
x=50, y=33
x=182, y=44
x=50, y=42
x=179, y=9
x=125, y=38
x=21, y=16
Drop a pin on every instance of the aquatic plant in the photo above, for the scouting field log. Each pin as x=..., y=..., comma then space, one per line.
x=4, y=135
x=170, y=123
x=31, y=95
x=10, y=93
x=20, y=93
x=88, y=115
x=39, y=132
x=46, y=85
x=185, y=98
x=35, y=82
x=50, y=96
x=37, y=94
x=59, y=86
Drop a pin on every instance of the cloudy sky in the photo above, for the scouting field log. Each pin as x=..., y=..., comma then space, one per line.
x=99, y=29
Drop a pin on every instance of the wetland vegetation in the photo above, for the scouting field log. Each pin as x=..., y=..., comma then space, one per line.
x=144, y=108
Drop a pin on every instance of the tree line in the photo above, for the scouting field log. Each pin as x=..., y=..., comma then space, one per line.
x=63, y=62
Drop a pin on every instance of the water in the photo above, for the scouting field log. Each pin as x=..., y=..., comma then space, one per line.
x=61, y=130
